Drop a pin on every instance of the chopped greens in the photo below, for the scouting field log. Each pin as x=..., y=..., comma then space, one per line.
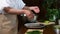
x=34, y=32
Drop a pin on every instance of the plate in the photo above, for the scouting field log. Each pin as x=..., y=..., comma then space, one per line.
x=34, y=25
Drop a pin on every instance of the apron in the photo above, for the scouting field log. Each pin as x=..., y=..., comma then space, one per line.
x=8, y=24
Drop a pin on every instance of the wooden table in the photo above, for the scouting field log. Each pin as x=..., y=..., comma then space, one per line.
x=47, y=30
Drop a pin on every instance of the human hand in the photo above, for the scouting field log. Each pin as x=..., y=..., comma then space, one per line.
x=29, y=14
x=35, y=9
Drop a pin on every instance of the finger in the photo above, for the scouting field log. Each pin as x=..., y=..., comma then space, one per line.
x=30, y=16
x=36, y=10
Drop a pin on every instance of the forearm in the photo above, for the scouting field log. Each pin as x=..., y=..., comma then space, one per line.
x=13, y=11
x=30, y=7
x=27, y=8
x=34, y=8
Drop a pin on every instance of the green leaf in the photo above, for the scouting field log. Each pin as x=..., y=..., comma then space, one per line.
x=34, y=32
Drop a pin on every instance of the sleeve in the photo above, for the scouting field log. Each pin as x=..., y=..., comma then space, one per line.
x=21, y=4
x=3, y=4
x=17, y=4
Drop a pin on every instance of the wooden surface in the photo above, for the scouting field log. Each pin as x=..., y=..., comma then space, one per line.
x=47, y=30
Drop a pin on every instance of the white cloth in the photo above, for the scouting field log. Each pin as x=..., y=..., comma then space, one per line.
x=18, y=4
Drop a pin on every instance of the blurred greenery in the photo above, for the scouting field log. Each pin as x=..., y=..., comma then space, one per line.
x=57, y=26
x=52, y=10
x=52, y=14
x=49, y=3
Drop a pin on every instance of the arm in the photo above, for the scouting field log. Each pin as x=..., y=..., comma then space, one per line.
x=34, y=8
x=28, y=13
x=13, y=11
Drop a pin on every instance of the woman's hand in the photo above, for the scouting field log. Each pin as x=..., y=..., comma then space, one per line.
x=29, y=14
x=35, y=9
